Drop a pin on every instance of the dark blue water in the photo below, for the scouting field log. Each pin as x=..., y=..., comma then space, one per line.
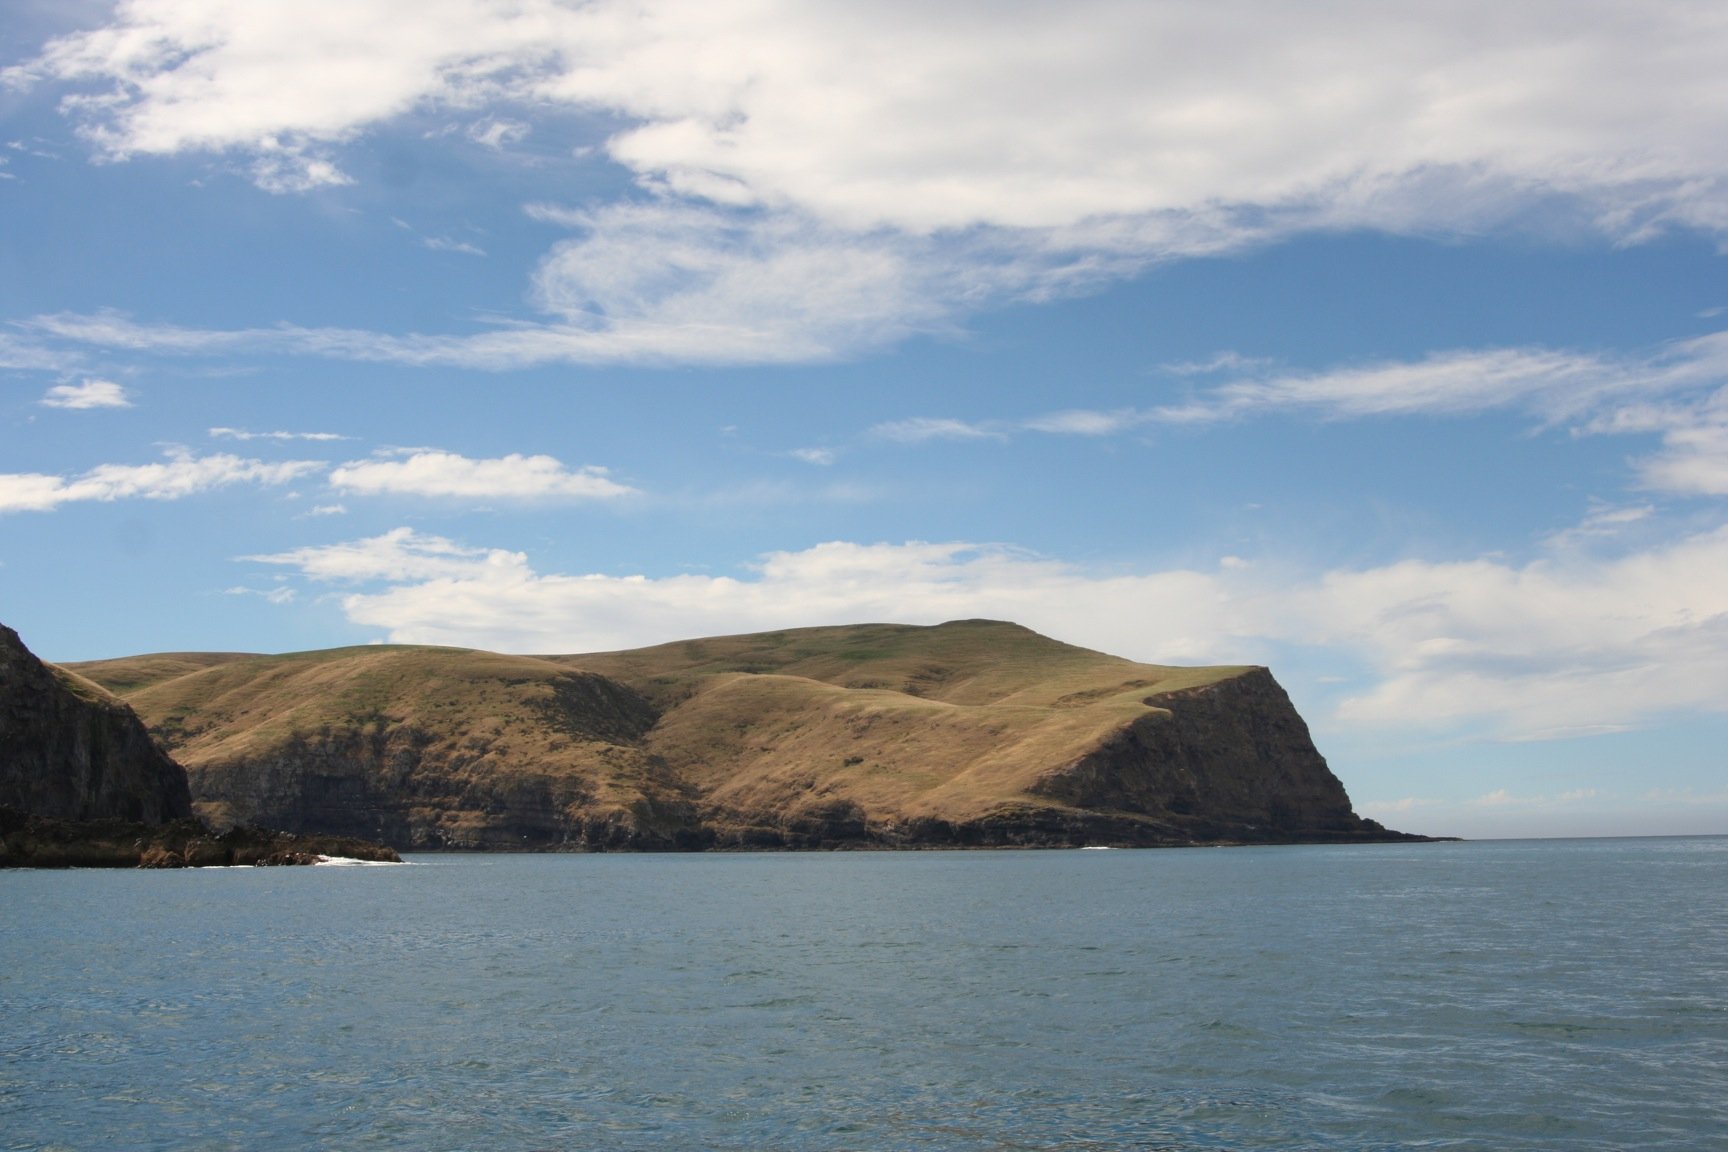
x=1512, y=995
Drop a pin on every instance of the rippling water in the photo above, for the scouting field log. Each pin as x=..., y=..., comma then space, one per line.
x=1510, y=995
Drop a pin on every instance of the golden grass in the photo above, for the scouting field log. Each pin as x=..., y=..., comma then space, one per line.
x=952, y=721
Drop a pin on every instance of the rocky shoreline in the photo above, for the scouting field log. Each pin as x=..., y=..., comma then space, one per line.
x=40, y=842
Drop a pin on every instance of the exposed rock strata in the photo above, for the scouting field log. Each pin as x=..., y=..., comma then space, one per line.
x=83, y=784
x=973, y=733
x=71, y=751
x=1226, y=761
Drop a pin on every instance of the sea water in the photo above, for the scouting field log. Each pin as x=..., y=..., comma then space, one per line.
x=1494, y=995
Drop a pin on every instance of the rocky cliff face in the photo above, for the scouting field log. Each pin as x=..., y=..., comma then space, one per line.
x=71, y=751
x=1231, y=760
x=974, y=733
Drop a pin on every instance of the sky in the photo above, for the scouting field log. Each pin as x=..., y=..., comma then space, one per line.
x=1381, y=345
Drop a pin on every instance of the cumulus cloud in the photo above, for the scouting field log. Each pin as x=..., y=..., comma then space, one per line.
x=181, y=475
x=995, y=116
x=89, y=394
x=800, y=206
x=446, y=474
x=1562, y=646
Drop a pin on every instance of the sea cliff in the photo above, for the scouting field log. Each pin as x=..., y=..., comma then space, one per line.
x=83, y=784
x=70, y=750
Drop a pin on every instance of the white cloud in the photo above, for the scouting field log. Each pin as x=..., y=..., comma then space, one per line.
x=1080, y=422
x=822, y=457
x=446, y=474
x=1557, y=385
x=647, y=283
x=1692, y=460
x=1562, y=646
x=825, y=179
x=1679, y=391
x=286, y=170
x=918, y=429
x=243, y=434
x=401, y=555
x=994, y=116
x=30, y=355
x=180, y=476
x=445, y=244
x=89, y=394
x=496, y=133
x=272, y=595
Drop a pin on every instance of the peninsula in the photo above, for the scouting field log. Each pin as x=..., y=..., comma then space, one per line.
x=974, y=733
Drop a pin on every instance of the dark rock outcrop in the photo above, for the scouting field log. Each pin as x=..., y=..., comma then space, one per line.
x=37, y=842
x=71, y=751
x=84, y=785
x=1228, y=761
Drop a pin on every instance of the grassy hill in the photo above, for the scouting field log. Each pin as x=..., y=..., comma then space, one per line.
x=967, y=732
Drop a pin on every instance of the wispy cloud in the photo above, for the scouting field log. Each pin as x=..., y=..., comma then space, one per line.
x=243, y=434
x=181, y=475
x=445, y=244
x=1679, y=391
x=822, y=457
x=1080, y=422
x=919, y=429
x=497, y=133
x=446, y=474
x=87, y=395
x=278, y=595
x=32, y=355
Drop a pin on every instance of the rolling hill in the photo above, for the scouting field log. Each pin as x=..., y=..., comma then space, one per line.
x=968, y=733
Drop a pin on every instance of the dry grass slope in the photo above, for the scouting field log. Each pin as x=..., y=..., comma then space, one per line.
x=870, y=733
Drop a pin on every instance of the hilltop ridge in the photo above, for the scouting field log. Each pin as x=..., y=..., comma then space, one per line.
x=972, y=732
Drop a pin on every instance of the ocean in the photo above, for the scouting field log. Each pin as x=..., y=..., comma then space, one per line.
x=1566, y=994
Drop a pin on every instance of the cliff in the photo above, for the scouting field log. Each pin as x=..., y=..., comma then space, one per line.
x=83, y=784
x=71, y=751
x=968, y=733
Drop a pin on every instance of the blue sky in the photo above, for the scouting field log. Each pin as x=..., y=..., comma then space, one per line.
x=1388, y=350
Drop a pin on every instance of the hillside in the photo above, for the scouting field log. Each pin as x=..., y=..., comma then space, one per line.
x=971, y=732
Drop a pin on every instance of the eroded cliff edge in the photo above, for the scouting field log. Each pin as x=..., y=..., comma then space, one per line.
x=972, y=733
x=70, y=750
x=83, y=784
